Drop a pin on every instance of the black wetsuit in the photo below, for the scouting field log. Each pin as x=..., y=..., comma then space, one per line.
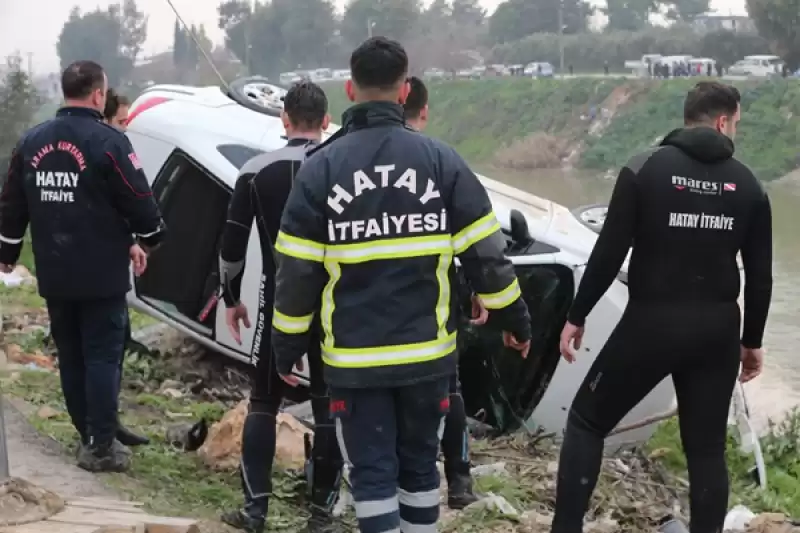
x=260, y=193
x=687, y=208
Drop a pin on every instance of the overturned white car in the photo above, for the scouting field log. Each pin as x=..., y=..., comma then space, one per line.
x=193, y=141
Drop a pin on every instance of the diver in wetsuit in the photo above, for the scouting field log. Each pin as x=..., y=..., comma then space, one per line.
x=260, y=193
x=687, y=208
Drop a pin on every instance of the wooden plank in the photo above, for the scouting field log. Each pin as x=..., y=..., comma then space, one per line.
x=84, y=516
x=48, y=527
x=112, y=501
x=100, y=506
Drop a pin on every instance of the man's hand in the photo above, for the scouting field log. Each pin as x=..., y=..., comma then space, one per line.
x=479, y=312
x=6, y=269
x=570, y=334
x=234, y=315
x=511, y=342
x=752, y=363
x=291, y=379
x=138, y=259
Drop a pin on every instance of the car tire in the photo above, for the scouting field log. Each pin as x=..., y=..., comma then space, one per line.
x=236, y=93
x=589, y=216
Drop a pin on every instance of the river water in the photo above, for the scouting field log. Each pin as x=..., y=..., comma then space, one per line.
x=774, y=392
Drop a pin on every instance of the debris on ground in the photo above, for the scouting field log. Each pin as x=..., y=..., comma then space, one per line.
x=22, y=502
x=17, y=277
x=187, y=436
x=222, y=449
x=740, y=519
x=632, y=493
x=34, y=360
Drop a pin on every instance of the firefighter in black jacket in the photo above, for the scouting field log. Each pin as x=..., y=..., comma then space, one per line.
x=79, y=184
x=372, y=226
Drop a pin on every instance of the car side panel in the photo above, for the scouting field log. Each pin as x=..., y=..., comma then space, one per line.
x=551, y=413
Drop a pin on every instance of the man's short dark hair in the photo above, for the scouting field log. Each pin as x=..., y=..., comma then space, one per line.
x=709, y=100
x=81, y=79
x=113, y=102
x=306, y=105
x=379, y=63
x=417, y=98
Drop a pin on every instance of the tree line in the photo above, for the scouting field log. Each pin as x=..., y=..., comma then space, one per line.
x=19, y=102
x=283, y=35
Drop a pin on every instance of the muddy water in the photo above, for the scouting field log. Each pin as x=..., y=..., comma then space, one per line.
x=778, y=389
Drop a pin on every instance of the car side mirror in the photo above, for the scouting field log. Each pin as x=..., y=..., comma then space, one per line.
x=519, y=229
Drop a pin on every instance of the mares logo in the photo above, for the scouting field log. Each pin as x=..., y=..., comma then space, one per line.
x=697, y=186
x=702, y=186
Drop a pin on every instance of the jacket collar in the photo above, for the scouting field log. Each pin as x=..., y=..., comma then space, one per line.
x=301, y=141
x=373, y=114
x=367, y=115
x=70, y=111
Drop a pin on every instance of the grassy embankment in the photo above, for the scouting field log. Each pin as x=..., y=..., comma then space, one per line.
x=489, y=121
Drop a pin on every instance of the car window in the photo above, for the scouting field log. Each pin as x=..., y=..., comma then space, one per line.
x=238, y=154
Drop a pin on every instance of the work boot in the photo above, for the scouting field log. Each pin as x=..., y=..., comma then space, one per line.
x=240, y=519
x=321, y=521
x=113, y=457
x=129, y=438
x=459, y=491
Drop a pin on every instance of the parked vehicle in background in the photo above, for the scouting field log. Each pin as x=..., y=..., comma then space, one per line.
x=759, y=66
x=435, y=74
x=698, y=66
x=341, y=74
x=641, y=67
x=288, y=78
x=321, y=74
x=539, y=69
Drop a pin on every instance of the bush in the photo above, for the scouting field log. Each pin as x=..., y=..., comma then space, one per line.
x=589, y=51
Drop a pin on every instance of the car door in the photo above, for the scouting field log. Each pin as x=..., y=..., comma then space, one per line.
x=551, y=410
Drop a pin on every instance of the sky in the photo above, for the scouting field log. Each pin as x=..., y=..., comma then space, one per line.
x=32, y=26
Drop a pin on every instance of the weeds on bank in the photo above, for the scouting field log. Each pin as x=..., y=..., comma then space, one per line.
x=781, y=449
x=168, y=480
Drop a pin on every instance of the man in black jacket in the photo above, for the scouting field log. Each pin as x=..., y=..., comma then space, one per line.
x=455, y=438
x=79, y=184
x=371, y=228
x=260, y=194
x=687, y=208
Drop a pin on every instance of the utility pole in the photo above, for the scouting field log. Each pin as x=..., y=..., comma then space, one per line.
x=370, y=26
x=248, y=29
x=561, y=36
x=30, y=64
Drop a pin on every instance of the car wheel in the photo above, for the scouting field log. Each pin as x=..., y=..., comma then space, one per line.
x=257, y=94
x=592, y=216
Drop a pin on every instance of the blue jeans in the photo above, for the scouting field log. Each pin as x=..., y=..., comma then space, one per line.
x=90, y=336
x=391, y=439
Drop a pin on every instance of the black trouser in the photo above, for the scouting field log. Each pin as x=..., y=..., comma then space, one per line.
x=390, y=437
x=90, y=338
x=696, y=344
x=455, y=440
x=258, y=440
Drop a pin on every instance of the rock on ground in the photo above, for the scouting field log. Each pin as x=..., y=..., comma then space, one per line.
x=42, y=461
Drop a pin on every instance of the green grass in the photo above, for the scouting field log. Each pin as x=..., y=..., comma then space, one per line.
x=480, y=117
x=167, y=480
x=766, y=139
x=781, y=449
